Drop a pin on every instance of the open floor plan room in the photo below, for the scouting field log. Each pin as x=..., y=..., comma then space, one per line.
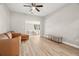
x=39, y=29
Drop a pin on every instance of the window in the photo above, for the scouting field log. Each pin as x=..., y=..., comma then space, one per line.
x=36, y=27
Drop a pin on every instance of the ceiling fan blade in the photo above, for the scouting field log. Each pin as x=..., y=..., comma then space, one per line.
x=39, y=5
x=37, y=9
x=33, y=4
x=27, y=6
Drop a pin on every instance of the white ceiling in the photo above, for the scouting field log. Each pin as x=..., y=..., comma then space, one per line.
x=47, y=9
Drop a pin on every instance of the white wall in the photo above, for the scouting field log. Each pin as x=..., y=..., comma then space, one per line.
x=18, y=21
x=42, y=23
x=4, y=19
x=64, y=22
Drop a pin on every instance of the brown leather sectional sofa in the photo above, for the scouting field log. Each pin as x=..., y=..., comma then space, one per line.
x=10, y=43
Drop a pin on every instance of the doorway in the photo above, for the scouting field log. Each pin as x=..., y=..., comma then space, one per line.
x=32, y=27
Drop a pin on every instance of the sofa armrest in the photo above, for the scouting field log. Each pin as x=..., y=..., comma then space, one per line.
x=10, y=47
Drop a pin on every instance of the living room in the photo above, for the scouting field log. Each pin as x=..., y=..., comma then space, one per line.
x=50, y=24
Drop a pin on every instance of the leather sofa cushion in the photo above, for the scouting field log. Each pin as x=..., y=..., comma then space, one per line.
x=3, y=36
x=9, y=35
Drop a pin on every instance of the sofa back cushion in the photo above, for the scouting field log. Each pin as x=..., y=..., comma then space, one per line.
x=3, y=36
x=9, y=35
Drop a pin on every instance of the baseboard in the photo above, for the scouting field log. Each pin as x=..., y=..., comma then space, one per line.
x=76, y=46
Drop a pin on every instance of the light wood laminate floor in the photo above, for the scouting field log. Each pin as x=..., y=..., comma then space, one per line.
x=37, y=46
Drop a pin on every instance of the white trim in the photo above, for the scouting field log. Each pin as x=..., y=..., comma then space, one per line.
x=73, y=45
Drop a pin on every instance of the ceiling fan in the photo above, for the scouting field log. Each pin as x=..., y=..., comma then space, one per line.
x=34, y=6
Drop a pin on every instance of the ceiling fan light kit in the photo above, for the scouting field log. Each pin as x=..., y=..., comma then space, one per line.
x=33, y=8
